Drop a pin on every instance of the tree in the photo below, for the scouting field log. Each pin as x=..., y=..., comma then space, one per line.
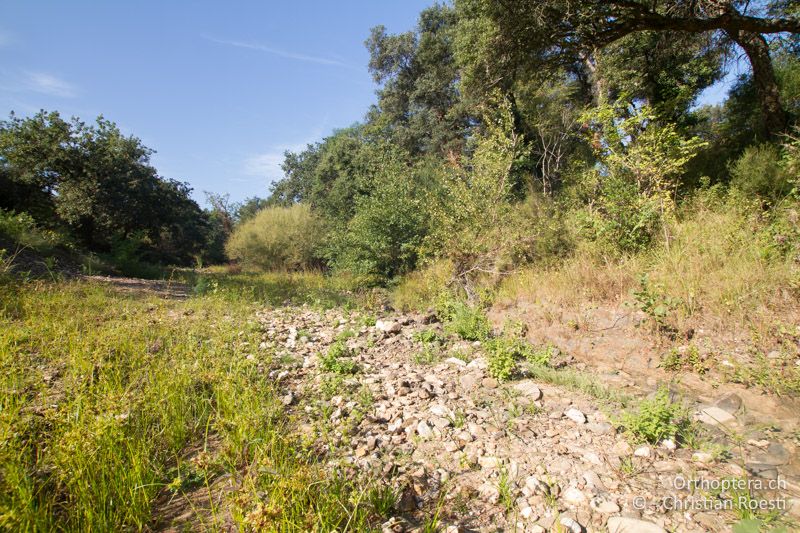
x=98, y=184
x=419, y=103
x=560, y=33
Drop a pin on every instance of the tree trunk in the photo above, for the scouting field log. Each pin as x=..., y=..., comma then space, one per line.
x=774, y=118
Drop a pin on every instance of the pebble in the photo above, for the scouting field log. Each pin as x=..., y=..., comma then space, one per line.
x=575, y=415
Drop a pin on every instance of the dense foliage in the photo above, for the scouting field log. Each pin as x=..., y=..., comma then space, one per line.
x=97, y=185
x=504, y=134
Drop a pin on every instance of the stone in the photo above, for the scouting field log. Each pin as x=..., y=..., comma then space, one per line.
x=605, y=507
x=575, y=415
x=529, y=390
x=642, y=451
x=424, y=430
x=774, y=455
x=455, y=361
x=668, y=444
x=571, y=524
x=702, y=457
x=574, y=496
x=489, y=383
x=388, y=326
x=621, y=524
x=730, y=403
x=714, y=416
x=600, y=428
x=288, y=399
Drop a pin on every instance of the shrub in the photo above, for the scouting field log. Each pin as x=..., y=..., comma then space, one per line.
x=21, y=229
x=758, y=172
x=469, y=323
x=383, y=238
x=278, y=238
x=656, y=419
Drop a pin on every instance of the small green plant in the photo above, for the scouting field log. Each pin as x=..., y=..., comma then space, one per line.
x=427, y=356
x=428, y=336
x=687, y=359
x=654, y=303
x=469, y=323
x=344, y=335
x=656, y=419
x=501, y=359
x=459, y=419
x=505, y=486
x=382, y=499
x=335, y=359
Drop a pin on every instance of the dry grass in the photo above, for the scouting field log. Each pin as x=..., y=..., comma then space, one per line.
x=717, y=266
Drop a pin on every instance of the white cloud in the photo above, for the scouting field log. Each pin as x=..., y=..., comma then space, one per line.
x=268, y=163
x=44, y=83
x=282, y=53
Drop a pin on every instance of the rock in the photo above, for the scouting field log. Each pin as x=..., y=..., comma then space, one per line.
x=388, y=326
x=604, y=506
x=762, y=470
x=642, y=451
x=424, y=430
x=730, y=403
x=714, y=416
x=775, y=455
x=702, y=458
x=455, y=361
x=668, y=444
x=575, y=415
x=574, y=496
x=529, y=390
x=621, y=524
x=469, y=382
x=489, y=383
x=601, y=428
x=288, y=399
x=489, y=462
x=571, y=524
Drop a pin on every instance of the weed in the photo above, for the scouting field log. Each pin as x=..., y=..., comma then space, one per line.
x=469, y=323
x=336, y=359
x=690, y=358
x=656, y=419
x=505, y=487
x=428, y=336
x=655, y=304
x=382, y=499
x=427, y=356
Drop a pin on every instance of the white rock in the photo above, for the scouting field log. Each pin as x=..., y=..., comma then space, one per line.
x=605, y=507
x=388, y=326
x=574, y=496
x=424, y=430
x=621, y=524
x=702, y=457
x=571, y=524
x=714, y=416
x=575, y=415
x=529, y=390
x=455, y=361
x=668, y=444
x=642, y=451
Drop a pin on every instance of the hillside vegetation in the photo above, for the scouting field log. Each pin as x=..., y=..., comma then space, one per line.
x=538, y=197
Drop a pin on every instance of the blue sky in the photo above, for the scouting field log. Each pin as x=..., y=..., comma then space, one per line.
x=218, y=89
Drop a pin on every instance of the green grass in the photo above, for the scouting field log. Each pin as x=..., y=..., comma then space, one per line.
x=102, y=394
